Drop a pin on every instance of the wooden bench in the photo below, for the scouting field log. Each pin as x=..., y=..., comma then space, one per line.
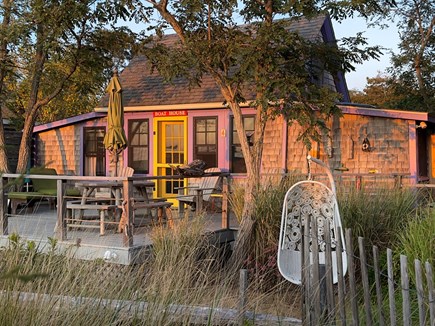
x=159, y=209
x=101, y=208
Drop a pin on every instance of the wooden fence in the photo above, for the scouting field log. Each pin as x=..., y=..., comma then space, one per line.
x=369, y=294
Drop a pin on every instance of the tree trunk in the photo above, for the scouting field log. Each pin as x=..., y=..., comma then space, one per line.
x=253, y=158
x=4, y=166
x=32, y=106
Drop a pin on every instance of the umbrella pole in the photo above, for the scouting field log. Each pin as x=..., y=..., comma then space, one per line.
x=116, y=164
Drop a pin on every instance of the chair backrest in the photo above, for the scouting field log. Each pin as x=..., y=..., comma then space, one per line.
x=208, y=182
x=125, y=171
x=47, y=186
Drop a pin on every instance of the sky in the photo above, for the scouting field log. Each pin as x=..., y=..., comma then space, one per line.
x=387, y=38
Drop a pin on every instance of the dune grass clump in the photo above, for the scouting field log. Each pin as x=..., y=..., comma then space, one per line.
x=417, y=240
x=261, y=260
x=378, y=215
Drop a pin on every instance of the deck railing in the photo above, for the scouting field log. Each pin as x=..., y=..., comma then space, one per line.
x=63, y=181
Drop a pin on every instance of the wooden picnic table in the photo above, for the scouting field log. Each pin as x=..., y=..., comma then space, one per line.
x=106, y=204
x=115, y=188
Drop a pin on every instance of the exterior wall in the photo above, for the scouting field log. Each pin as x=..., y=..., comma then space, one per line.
x=389, y=147
x=60, y=149
x=389, y=140
x=273, y=150
x=392, y=150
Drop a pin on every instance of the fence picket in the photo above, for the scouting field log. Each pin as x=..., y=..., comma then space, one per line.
x=378, y=285
x=365, y=281
x=328, y=273
x=306, y=270
x=405, y=290
x=420, y=293
x=391, y=296
x=340, y=275
x=315, y=272
x=337, y=313
x=431, y=292
x=352, y=285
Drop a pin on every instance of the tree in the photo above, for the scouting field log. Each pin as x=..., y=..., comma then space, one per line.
x=385, y=91
x=413, y=67
x=49, y=47
x=262, y=61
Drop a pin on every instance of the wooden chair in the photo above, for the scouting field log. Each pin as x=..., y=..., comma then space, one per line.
x=123, y=171
x=198, y=191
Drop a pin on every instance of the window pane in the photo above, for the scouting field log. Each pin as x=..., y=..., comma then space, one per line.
x=134, y=139
x=202, y=149
x=211, y=125
x=211, y=138
x=237, y=161
x=200, y=139
x=248, y=123
x=200, y=125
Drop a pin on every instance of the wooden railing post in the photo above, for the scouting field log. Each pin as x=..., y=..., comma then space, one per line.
x=358, y=182
x=61, y=211
x=3, y=208
x=128, y=211
x=243, y=286
x=199, y=201
x=225, y=191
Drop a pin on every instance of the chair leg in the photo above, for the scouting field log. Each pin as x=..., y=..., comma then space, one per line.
x=160, y=215
x=14, y=206
x=169, y=217
x=180, y=208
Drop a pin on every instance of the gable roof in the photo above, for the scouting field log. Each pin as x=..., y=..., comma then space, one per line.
x=143, y=88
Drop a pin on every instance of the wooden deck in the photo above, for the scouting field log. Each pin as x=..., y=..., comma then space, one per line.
x=39, y=226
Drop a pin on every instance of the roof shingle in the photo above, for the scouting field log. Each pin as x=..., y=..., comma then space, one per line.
x=142, y=87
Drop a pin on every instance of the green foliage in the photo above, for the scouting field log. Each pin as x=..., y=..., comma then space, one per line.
x=382, y=91
x=80, y=53
x=413, y=68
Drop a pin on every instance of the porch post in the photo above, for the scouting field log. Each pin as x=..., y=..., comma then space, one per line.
x=128, y=211
x=3, y=208
x=61, y=211
x=225, y=215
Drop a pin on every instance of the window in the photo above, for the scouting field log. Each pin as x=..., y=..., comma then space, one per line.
x=205, y=141
x=237, y=161
x=138, y=146
x=95, y=152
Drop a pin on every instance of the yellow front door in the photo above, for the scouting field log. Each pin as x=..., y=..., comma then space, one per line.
x=171, y=151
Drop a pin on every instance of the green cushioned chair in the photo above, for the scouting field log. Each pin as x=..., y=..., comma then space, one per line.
x=49, y=187
x=42, y=188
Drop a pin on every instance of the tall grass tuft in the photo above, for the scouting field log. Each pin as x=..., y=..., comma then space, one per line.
x=183, y=270
x=417, y=240
x=267, y=219
x=377, y=215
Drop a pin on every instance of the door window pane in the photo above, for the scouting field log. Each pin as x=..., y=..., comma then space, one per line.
x=138, y=149
x=205, y=141
x=94, y=151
